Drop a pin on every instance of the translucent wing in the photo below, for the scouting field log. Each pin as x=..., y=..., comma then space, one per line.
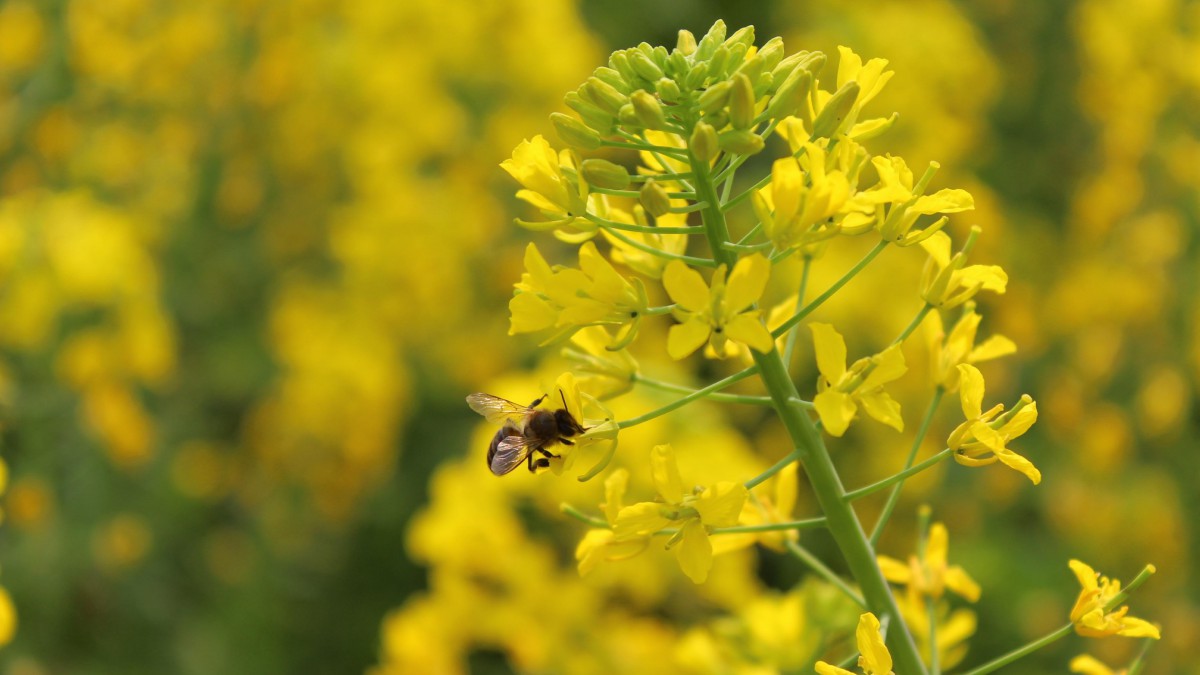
x=509, y=454
x=494, y=408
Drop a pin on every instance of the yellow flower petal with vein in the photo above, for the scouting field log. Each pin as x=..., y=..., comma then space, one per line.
x=685, y=286
x=665, y=473
x=639, y=519
x=685, y=338
x=694, y=552
x=746, y=283
x=875, y=658
x=831, y=351
x=835, y=409
x=721, y=504
x=749, y=329
x=883, y=408
x=971, y=390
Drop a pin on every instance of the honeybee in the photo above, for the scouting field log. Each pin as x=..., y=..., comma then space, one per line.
x=526, y=431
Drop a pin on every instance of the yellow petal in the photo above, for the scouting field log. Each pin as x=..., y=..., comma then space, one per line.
x=937, y=545
x=787, y=184
x=893, y=570
x=970, y=390
x=787, y=486
x=614, y=493
x=1084, y=573
x=639, y=519
x=590, y=550
x=1014, y=461
x=746, y=283
x=830, y=348
x=1087, y=665
x=829, y=669
x=685, y=286
x=835, y=409
x=875, y=656
x=748, y=329
x=530, y=314
x=992, y=348
x=987, y=277
x=883, y=408
x=944, y=201
x=685, y=338
x=665, y=473
x=889, y=366
x=607, y=284
x=719, y=505
x=1020, y=422
x=1135, y=627
x=694, y=552
x=960, y=582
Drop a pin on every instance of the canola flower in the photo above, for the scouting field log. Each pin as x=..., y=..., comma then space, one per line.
x=691, y=116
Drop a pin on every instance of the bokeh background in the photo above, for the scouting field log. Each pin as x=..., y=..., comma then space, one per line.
x=254, y=253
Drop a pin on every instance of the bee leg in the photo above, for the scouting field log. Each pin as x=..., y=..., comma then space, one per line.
x=547, y=453
x=565, y=441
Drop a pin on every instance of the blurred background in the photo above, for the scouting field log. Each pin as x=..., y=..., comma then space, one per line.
x=254, y=253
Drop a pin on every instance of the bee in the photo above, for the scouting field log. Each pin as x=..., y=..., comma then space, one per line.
x=526, y=431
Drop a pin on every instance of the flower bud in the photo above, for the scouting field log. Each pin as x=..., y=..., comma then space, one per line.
x=605, y=174
x=575, y=133
x=831, y=117
x=612, y=77
x=606, y=96
x=678, y=64
x=790, y=96
x=742, y=36
x=716, y=65
x=686, y=44
x=741, y=102
x=591, y=115
x=619, y=61
x=645, y=67
x=771, y=53
x=655, y=199
x=752, y=68
x=668, y=90
x=740, y=142
x=714, y=97
x=649, y=110
x=628, y=116
x=711, y=40
x=703, y=142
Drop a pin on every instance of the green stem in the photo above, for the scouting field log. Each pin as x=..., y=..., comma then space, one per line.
x=691, y=260
x=822, y=475
x=697, y=394
x=647, y=229
x=824, y=572
x=890, y=504
x=1139, y=661
x=912, y=325
x=581, y=516
x=891, y=480
x=790, y=348
x=808, y=309
x=716, y=397
x=1023, y=651
x=806, y=524
x=775, y=468
x=676, y=153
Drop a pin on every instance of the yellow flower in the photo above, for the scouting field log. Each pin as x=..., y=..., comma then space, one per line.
x=1091, y=615
x=1088, y=665
x=871, y=78
x=982, y=438
x=798, y=207
x=559, y=301
x=896, y=187
x=840, y=390
x=718, y=313
x=552, y=184
x=694, y=512
x=874, y=658
x=930, y=575
x=764, y=510
x=946, y=283
x=959, y=347
x=8, y=617
x=606, y=372
x=599, y=544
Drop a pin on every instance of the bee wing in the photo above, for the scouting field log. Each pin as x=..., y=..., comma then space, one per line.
x=509, y=454
x=494, y=408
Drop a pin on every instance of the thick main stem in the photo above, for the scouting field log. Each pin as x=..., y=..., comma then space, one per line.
x=843, y=523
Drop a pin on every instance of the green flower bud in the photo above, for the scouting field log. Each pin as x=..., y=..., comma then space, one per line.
x=741, y=102
x=606, y=96
x=716, y=64
x=771, y=53
x=668, y=90
x=790, y=96
x=645, y=67
x=619, y=61
x=813, y=62
x=752, y=68
x=740, y=142
x=714, y=97
x=649, y=110
x=718, y=119
x=592, y=115
x=678, y=65
x=575, y=133
x=605, y=174
x=613, y=78
x=655, y=199
x=711, y=40
x=628, y=116
x=737, y=54
x=831, y=117
x=686, y=44
x=703, y=142
x=742, y=36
